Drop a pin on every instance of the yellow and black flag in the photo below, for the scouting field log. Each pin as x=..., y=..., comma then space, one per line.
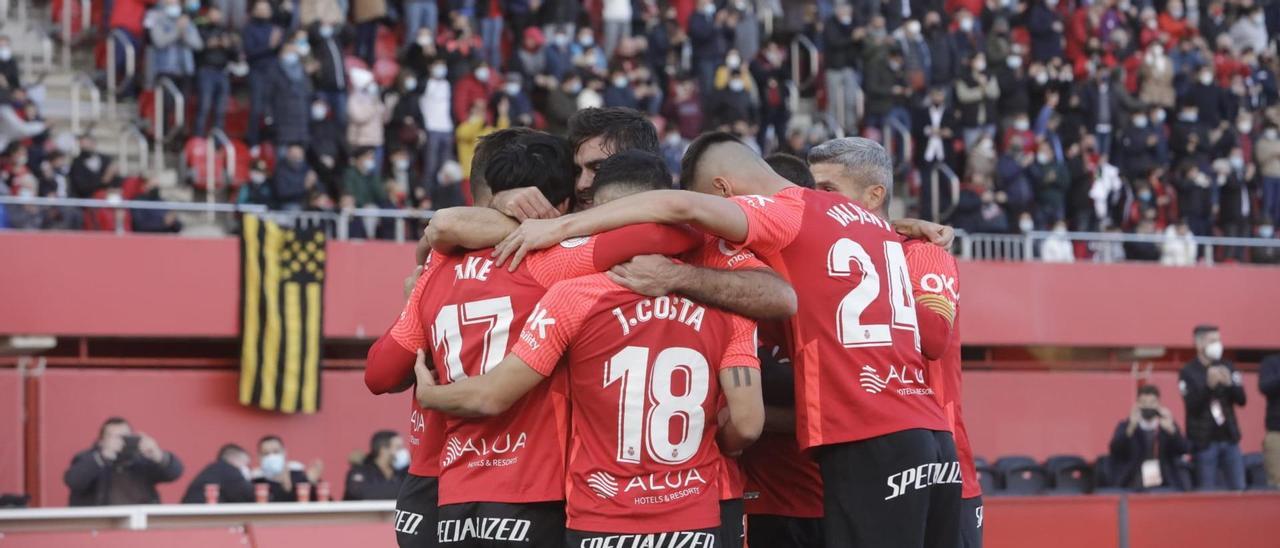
x=282, y=315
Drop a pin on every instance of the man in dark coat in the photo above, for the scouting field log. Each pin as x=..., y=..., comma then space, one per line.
x=1147, y=446
x=230, y=472
x=121, y=468
x=290, y=98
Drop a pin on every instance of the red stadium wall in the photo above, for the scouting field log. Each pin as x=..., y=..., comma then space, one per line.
x=96, y=284
x=11, y=421
x=194, y=412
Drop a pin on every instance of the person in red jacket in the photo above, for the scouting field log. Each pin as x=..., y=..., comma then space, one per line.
x=476, y=86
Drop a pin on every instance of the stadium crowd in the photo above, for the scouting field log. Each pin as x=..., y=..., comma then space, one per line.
x=1104, y=116
x=124, y=466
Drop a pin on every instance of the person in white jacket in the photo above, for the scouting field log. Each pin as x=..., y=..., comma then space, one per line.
x=1057, y=247
x=1179, y=247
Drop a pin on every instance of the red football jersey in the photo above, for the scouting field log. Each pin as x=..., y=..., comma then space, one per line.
x=426, y=427
x=643, y=376
x=470, y=308
x=855, y=341
x=935, y=282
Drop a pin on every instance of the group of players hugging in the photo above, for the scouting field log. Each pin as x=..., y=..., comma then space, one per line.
x=761, y=358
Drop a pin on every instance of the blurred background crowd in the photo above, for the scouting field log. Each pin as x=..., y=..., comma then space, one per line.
x=1113, y=115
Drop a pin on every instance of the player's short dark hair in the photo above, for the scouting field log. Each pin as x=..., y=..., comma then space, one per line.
x=791, y=168
x=620, y=128
x=697, y=149
x=485, y=148
x=269, y=437
x=536, y=159
x=1149, y=389
x=380, y=440
x=111, y=421
x=1204, y=329
x=229, y=449
x=635, y=169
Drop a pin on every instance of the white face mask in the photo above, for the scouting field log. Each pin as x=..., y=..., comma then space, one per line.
x=402, y=165
x=980, y=66
x=1026, y=225
x=424, y=41
x=1140, y=121
x=318, y=112
x=512, y=89
x=1244, y=127
x=966, y=25
x=304, y=49
x=1044, y=158
x=401, y=459
x=1014, y=62
x=1206, y=78
x=173, y=11
x=257, y=177
x=1271, y=133
x=561, y=40
x=5, y=54
x=273, y=465
x=1158, y=116
x=439, y=72
x=1213, y=350
x=620, y=81
x=736, y=85
x=913, y=28
x=1021, y=125
x=733, y=61
x=368, y=165
x=482, y=74
x=94, y=163
x=586, y=41
x=326, y=31
x=410, y=84
x=1042, y=78
x=1237, y=163
x=1266, y=231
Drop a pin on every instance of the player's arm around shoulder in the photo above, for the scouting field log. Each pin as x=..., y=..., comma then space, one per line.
x=458, y=228
x=486, y=395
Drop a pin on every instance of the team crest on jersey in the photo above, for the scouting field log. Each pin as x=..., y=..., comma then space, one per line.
x=575, y=242
x=757, y=201
x=911, y=380
x=603, y=484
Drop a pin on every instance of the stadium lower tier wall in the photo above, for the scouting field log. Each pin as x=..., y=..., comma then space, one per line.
x=162, y=286
x=193, y=412
x=1244, y=520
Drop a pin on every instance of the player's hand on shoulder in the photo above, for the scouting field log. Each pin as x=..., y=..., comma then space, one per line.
x=532, y=235
x=424, y=376
x=939, y=235
x=648, y=275
x=524, y=203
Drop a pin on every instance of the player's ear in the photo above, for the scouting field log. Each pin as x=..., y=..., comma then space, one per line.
x=876, y=196
x=723, y=188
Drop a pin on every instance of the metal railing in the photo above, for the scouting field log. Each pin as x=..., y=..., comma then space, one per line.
x=79, y=82
x=941, y=169
x=1027, y=247
x=837, y=130
x=133, y=135
x=118, y=36
x=802, y=41
x=166, y=87
x=894, y=126
x=86, y=21
x=217, y=139
x=340, y=221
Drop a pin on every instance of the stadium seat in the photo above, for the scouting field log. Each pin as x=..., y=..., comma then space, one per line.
x=1021, y=475
x=987, y=476
x=1069, y=474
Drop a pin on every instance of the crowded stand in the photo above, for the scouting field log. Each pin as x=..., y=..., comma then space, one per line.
x=1052, y=116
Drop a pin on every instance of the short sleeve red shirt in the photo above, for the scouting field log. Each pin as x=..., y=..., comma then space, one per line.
x=854, y=341
x=644, y=384
x=935, y=282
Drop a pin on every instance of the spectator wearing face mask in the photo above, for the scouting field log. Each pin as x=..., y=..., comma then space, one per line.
x=1057, y=248
x=330, y=77
x=365, y=116
x=1211, y=389
x=281, y=474
x=1210, y=100
x=10, y=72
x=1233, y=205
x=1266, y=152
x=1250, y=31
x=1156, y=74
x=378, y=475
x=1147, y=447
x=619, y=92
x=212, y=79
x=557, y=58
x=474, y=86
x=174, y=40
x=293, y=179
x=732, y=104
x=521, y=108
x=289, y=94
x=1051, y=180
x=1265, y=255
x=258, y=190
x=260, y=38
x=230, y=472
x=1137, y=150
x=435, y=102
x=733, y=67
x=418, y=54
x=1014, y=182
x=977, y=94
x=91, y=172
x=967, y=39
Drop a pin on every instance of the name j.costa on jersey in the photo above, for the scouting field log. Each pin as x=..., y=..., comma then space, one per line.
x=665, y=307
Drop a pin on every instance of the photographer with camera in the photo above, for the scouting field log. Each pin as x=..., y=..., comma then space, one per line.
x=1147, y=446
x=123, y=467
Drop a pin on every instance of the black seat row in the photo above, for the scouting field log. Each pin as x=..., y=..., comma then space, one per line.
x=1073, y=475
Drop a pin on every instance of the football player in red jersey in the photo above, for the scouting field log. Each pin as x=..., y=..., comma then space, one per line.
x=862, y=395
x=936, y=285
x=502, y=478
x=727, y=277
x=390, y=369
